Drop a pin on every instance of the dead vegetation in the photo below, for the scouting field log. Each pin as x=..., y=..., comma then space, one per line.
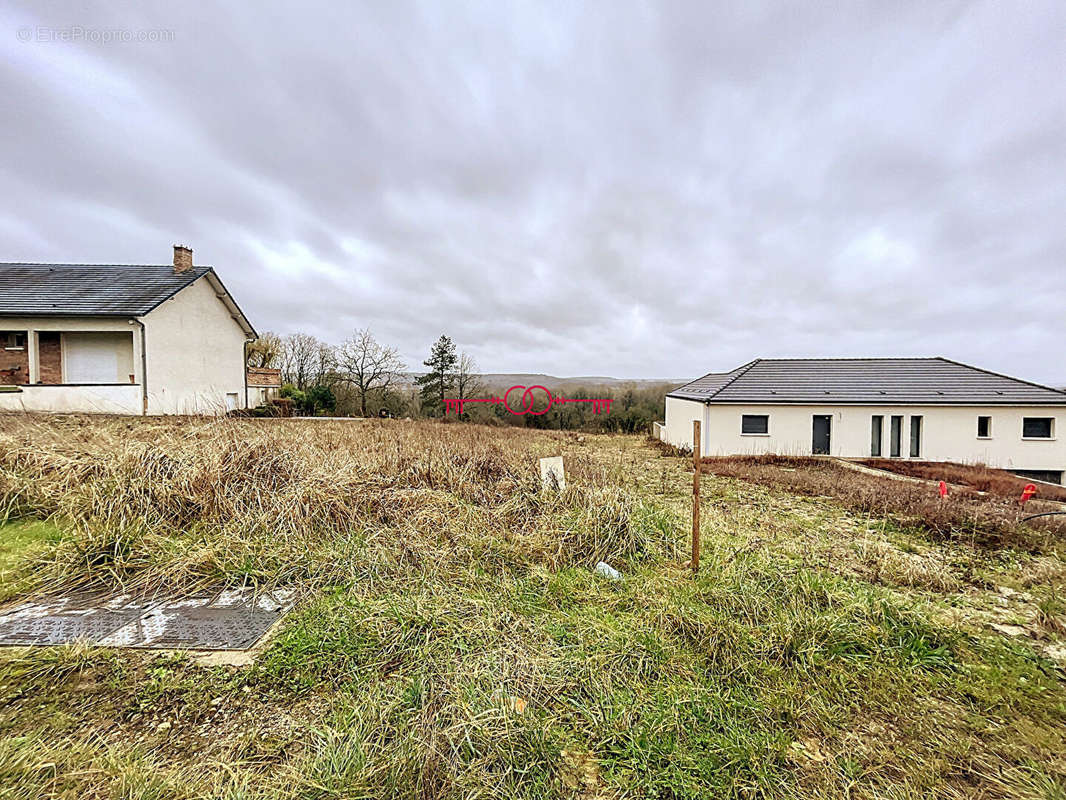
x=985, y=520
x=454, y=642
x=262, y=502
x=891, y=565
x=974, y=476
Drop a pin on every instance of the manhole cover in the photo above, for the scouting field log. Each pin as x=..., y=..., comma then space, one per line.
x=59, y=620
x=233, y=620
x=230, y=620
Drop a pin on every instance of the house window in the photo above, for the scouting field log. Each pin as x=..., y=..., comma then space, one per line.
x=916, y=437
x=14, y=359
x=1038, y=427
x=984, y=427
x=895, y=443
x=877, y=431
x=755, y=424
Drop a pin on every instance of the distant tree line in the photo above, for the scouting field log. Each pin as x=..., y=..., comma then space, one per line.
x=362, y=377
x=358, y=377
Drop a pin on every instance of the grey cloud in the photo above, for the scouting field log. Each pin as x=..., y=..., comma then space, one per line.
x=629, y=189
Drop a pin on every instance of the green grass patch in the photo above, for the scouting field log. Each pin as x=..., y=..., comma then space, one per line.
x=20, y=541
x=663, y=686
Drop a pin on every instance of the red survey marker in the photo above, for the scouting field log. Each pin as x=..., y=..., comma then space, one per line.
x=454, y=405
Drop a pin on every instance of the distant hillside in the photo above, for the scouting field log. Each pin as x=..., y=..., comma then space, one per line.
x=504, y=380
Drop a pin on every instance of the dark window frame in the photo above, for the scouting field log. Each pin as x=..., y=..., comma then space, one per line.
x=877, y=435
x=744, y=420
x=895, y=436
x=988, y=427
x=14, y=340
x=915, y=448
x=1027, y=426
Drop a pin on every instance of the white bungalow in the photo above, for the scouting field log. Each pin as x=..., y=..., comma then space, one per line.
x=928, y=409
x=121, y=339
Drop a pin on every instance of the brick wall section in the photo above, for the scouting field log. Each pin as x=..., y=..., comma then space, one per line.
x=50, y=357
x=15, y=359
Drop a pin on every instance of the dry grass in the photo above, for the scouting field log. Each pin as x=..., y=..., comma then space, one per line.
x=987, y=521
x=267, y=502
x=453, y=642
x=889, y=564
x=975, y=476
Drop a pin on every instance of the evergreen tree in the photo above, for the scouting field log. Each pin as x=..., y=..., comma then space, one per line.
x=435, y=383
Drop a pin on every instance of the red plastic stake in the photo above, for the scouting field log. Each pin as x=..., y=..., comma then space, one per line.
x=943, y=489
x=1027, y=492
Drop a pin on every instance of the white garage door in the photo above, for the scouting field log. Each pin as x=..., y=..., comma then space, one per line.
x=93, y=357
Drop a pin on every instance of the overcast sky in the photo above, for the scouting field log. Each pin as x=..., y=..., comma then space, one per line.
x=636, y=190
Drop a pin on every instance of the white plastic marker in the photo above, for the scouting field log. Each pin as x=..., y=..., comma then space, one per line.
x=607, y=571
x=552, y=475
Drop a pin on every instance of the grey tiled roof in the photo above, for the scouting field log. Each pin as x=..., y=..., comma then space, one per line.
x=865, y=381
x=89, y=289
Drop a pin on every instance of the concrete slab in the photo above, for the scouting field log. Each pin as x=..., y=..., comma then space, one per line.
x=227, y=620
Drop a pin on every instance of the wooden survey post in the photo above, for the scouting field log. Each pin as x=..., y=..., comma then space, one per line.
x=695, y=495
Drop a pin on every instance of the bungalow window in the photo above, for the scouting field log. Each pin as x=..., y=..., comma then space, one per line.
x=755, y=424
x=895, y=444
x=14, y=359
x=877, y=431
x=984, y=427
x=916, y=437
x=1038, y=427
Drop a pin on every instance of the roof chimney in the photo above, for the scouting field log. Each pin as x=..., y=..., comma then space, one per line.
x=182, y=258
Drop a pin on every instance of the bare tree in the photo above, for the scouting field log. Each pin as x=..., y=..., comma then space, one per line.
x=367, y=365
x=325, y=369
x=467, y=379
x=266, y=351
x=300, y=359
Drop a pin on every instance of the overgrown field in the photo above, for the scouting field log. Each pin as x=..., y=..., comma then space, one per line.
x=270, y=502
x=452, y=640
x=990, y=520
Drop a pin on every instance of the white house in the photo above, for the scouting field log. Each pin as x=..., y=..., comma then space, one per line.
x=929, y=409
x=264, y=385
x=121, y=339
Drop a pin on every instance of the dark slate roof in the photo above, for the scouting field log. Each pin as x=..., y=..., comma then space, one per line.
x=127, y=290
x=865, y=381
